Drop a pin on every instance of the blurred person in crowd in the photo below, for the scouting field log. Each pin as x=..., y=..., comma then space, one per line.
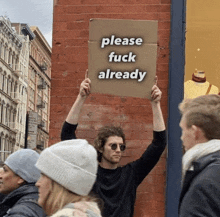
x=17, y=183
x=200, y=126
x=68, y=172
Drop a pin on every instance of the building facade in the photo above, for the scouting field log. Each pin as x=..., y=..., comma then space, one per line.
x=25, y=62
x=39, y=90
x=14, y=59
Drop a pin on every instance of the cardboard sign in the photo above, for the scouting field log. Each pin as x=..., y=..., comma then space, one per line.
x=122, y=56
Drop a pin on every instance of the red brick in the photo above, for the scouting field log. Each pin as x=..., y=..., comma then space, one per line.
x=164, y=25
x=164, y=8
x=155, y=2
x=134, y=115
x=81, y=9
x=68, y=2
x=164, y=16
x=152, y=8
x=61, y=26
x=166, y=2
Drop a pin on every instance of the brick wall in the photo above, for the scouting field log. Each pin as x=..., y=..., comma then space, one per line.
x=69, y=63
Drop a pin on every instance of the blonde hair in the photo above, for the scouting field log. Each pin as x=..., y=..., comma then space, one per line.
x=60, y=196
x=204, y=112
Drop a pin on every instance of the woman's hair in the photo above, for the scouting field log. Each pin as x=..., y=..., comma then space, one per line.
x=60, y=196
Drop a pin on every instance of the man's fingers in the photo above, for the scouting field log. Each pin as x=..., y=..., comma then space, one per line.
x=86, y=74
x=156, y=79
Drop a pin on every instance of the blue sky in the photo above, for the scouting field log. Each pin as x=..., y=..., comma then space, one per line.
x=33, y=12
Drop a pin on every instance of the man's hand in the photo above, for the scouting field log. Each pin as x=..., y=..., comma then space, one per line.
x=85, y=86
x=156, y=92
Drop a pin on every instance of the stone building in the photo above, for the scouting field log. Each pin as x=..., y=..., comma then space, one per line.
x=24, y=87
x=14, y=59
x=39, y=90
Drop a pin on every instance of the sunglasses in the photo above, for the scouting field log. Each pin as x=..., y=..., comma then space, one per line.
x=115, y=145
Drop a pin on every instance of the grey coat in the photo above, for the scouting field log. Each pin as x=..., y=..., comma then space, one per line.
x=200, y=194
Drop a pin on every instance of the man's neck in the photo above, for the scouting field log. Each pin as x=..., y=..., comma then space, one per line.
x=108, y=165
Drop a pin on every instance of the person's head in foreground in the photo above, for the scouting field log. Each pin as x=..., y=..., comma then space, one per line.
x=17, y=183
x=19, y=169
x=68, y=172
x=200, y=121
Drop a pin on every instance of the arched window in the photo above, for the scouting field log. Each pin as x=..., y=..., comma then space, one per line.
x=9, y=57
x=12, y=88
x=13, y=61
x=1, y=148
x=6, y=151
x=2, y=112
x=0, y=49
x=6, y=115
x=5, y=53
x=15, y=89
x=8, y=85
x=3, y=81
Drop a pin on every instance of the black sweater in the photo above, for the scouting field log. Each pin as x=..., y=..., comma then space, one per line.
x=117, y=187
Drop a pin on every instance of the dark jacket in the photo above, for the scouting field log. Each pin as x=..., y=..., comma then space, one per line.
x=1, y=197
x=22, y=202
x=200, y=196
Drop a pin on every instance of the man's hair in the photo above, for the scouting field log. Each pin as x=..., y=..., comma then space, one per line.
x=103, y=134
x=203, y=112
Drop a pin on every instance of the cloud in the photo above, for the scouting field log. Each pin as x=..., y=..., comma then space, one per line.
x=33, y=12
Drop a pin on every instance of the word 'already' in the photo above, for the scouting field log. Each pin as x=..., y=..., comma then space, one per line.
x=122, y=75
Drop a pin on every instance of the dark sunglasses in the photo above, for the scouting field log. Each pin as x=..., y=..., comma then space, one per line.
x=115, y=145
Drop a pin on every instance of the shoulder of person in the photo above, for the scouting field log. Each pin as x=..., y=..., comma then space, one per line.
x=26, y=207
x=71, y=210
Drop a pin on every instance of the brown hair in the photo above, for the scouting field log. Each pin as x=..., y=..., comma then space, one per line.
x=60, y=196
x=204, y=112
x=103, y=134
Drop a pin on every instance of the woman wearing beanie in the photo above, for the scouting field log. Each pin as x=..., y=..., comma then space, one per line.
x=68, y=172
x=17, y=184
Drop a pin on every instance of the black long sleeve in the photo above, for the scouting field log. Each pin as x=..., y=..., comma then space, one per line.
x=68, y=131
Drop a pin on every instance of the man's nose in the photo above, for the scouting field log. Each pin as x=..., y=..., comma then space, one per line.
x=118, y=148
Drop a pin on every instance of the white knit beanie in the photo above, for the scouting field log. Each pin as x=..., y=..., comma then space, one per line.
x=71, y=163
x=22, y=163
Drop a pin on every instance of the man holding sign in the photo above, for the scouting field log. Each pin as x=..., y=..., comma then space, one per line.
x=117, y=185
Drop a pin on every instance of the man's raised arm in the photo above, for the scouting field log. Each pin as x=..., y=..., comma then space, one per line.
x=69, y=126
x=158, y=121
x=73, y=116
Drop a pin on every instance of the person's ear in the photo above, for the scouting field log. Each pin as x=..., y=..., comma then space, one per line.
x=20, y=181
x=101, y=149
x=197, y=132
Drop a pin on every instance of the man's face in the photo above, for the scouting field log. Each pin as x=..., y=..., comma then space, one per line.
x=9, y=181
x=109, y=156
x=188, y=135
